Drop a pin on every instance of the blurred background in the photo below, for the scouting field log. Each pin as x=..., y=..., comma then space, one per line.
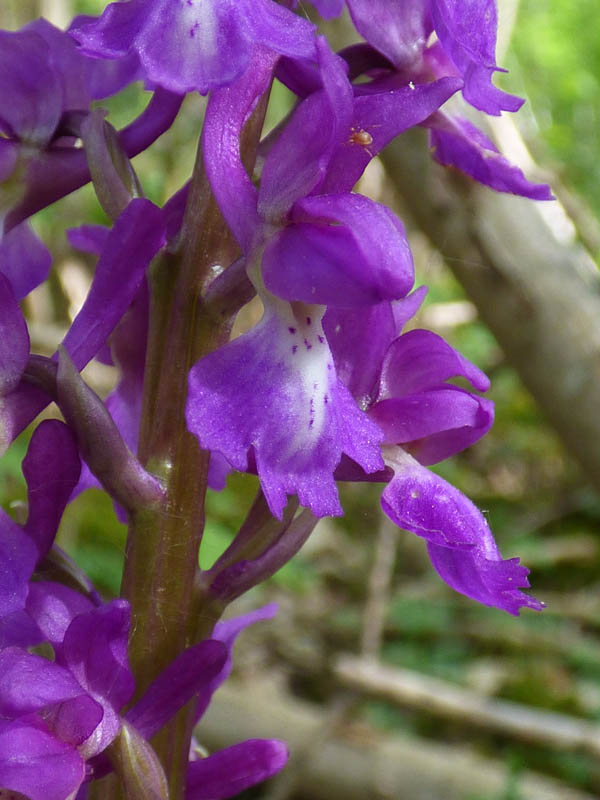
x=387, y=684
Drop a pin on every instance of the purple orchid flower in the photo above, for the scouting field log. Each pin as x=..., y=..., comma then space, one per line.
x=459, y=541
x=400, y=55
x=58, y=717
x=401, y=382
x=44, y=75
x=74, y=700
x=47, y=85
x=466, y=32
x=273, y=394
x=191, y=45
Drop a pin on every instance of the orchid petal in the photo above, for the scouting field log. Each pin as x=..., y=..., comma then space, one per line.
x=18, y=556
x=36, y=764
x=343, y=250
x=32, y=97
x=226, y=113
x=31, y=683
x=460, y=543
x=18, y=629
x=467, y=32
x=230, y=771
x=95, y=651
x=227, y=631
x=458, y=143
x=420, y=360
x=194, y=46
x=24, y=259
x=53, y=607
x=17, y=410
x=381, y=116
x=398, y=30
x=89, y=238
x=274, y=27
x=406, y=308
x=274, y=389
x=112, y=34
x=133, y=242
x=190, y=674
x=75, y=720
x=218, y=470
x=436, y=423
x=51, y=468
x=359, y=339
x=298, y=160
x=76, y=71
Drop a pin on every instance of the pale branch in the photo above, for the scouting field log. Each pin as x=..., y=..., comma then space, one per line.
x=411, y=689
x=358, y=763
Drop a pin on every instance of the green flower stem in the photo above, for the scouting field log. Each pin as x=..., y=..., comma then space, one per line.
x=161, y=559
x=162, y=549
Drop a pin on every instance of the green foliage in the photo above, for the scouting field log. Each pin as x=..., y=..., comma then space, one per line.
x=92, y=535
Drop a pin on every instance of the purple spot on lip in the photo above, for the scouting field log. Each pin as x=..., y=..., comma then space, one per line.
x=326, y=399
x=294, y=348
x=321, y=339
x=308, y=321
x=292, y=330
x=307, y=344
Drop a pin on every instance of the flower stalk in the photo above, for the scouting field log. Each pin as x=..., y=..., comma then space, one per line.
x=161, y=560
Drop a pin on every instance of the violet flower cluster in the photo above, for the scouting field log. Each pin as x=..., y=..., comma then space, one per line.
x=326, y=387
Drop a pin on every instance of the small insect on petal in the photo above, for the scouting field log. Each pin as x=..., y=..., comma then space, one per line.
x=360, y=137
